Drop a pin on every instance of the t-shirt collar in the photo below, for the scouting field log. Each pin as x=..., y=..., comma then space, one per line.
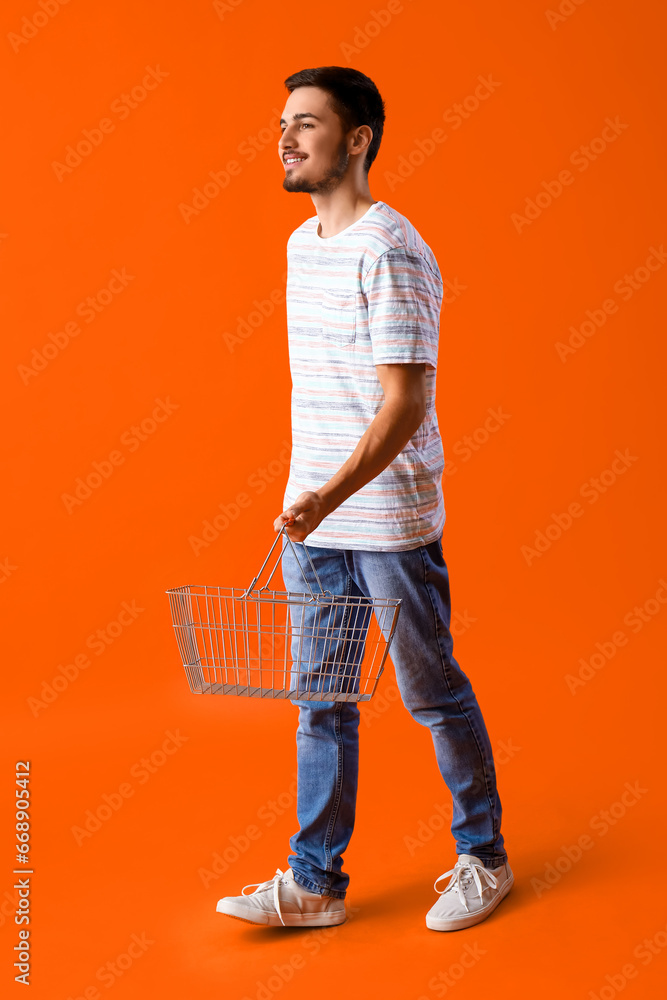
x=343, y=232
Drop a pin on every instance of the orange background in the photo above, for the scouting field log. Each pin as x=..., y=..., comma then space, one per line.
x=67, y=574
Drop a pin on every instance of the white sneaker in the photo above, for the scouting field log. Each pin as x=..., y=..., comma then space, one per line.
x=281, y=900
x=472, y=893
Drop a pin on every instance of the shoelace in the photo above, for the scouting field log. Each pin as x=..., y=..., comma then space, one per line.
x=461, y=877
x=275, y=881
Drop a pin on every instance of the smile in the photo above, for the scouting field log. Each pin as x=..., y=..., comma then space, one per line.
x=291, y=160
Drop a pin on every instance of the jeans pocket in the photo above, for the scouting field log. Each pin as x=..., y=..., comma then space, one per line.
x=339, y=317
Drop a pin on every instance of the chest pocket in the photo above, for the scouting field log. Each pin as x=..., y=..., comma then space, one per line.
x=338, y=311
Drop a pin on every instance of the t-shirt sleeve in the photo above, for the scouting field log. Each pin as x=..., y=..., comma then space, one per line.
x=404, y=296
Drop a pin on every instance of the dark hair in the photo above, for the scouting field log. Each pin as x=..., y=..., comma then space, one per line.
x=352, y=96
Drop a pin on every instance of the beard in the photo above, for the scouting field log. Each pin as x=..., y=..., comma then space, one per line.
x=326, y=184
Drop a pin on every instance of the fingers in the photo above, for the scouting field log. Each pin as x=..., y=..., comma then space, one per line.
x=286, y=518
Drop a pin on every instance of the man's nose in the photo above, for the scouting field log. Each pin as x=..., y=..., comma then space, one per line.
x=285, y=141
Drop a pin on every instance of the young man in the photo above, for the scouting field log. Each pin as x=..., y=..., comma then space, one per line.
x=364, y=294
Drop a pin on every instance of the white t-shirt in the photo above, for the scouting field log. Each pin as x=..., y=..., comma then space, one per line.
x=369, y=295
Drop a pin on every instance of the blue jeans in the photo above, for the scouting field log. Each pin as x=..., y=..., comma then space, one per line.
x=434, y=690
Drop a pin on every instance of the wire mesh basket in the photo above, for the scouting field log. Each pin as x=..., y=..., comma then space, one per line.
x=260, y=643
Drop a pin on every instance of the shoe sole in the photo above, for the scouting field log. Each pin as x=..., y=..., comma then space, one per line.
x=459, y=923
x=273, y=920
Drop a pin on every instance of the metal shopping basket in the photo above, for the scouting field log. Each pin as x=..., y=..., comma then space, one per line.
x=260, y=643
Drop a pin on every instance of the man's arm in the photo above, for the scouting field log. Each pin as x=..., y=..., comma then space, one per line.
x=399, y=417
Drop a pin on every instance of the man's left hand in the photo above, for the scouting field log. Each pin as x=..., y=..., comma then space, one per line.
x=303, y=516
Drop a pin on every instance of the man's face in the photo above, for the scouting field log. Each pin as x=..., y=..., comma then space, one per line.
x=312, y=136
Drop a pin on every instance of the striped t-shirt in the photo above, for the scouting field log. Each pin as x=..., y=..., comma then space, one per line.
x=369, y=295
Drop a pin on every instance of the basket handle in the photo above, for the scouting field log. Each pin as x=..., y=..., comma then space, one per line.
x=282, y=530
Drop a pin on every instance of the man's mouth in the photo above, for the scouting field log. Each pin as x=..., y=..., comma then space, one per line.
x=292, y=160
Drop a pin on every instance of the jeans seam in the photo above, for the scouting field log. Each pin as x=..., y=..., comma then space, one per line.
x=339, y=778
x=334, y=810
x=453, y=695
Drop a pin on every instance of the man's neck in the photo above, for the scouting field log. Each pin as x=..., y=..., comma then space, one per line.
x=339, y=210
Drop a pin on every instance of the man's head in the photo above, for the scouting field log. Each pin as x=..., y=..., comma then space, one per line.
x=332, y=122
